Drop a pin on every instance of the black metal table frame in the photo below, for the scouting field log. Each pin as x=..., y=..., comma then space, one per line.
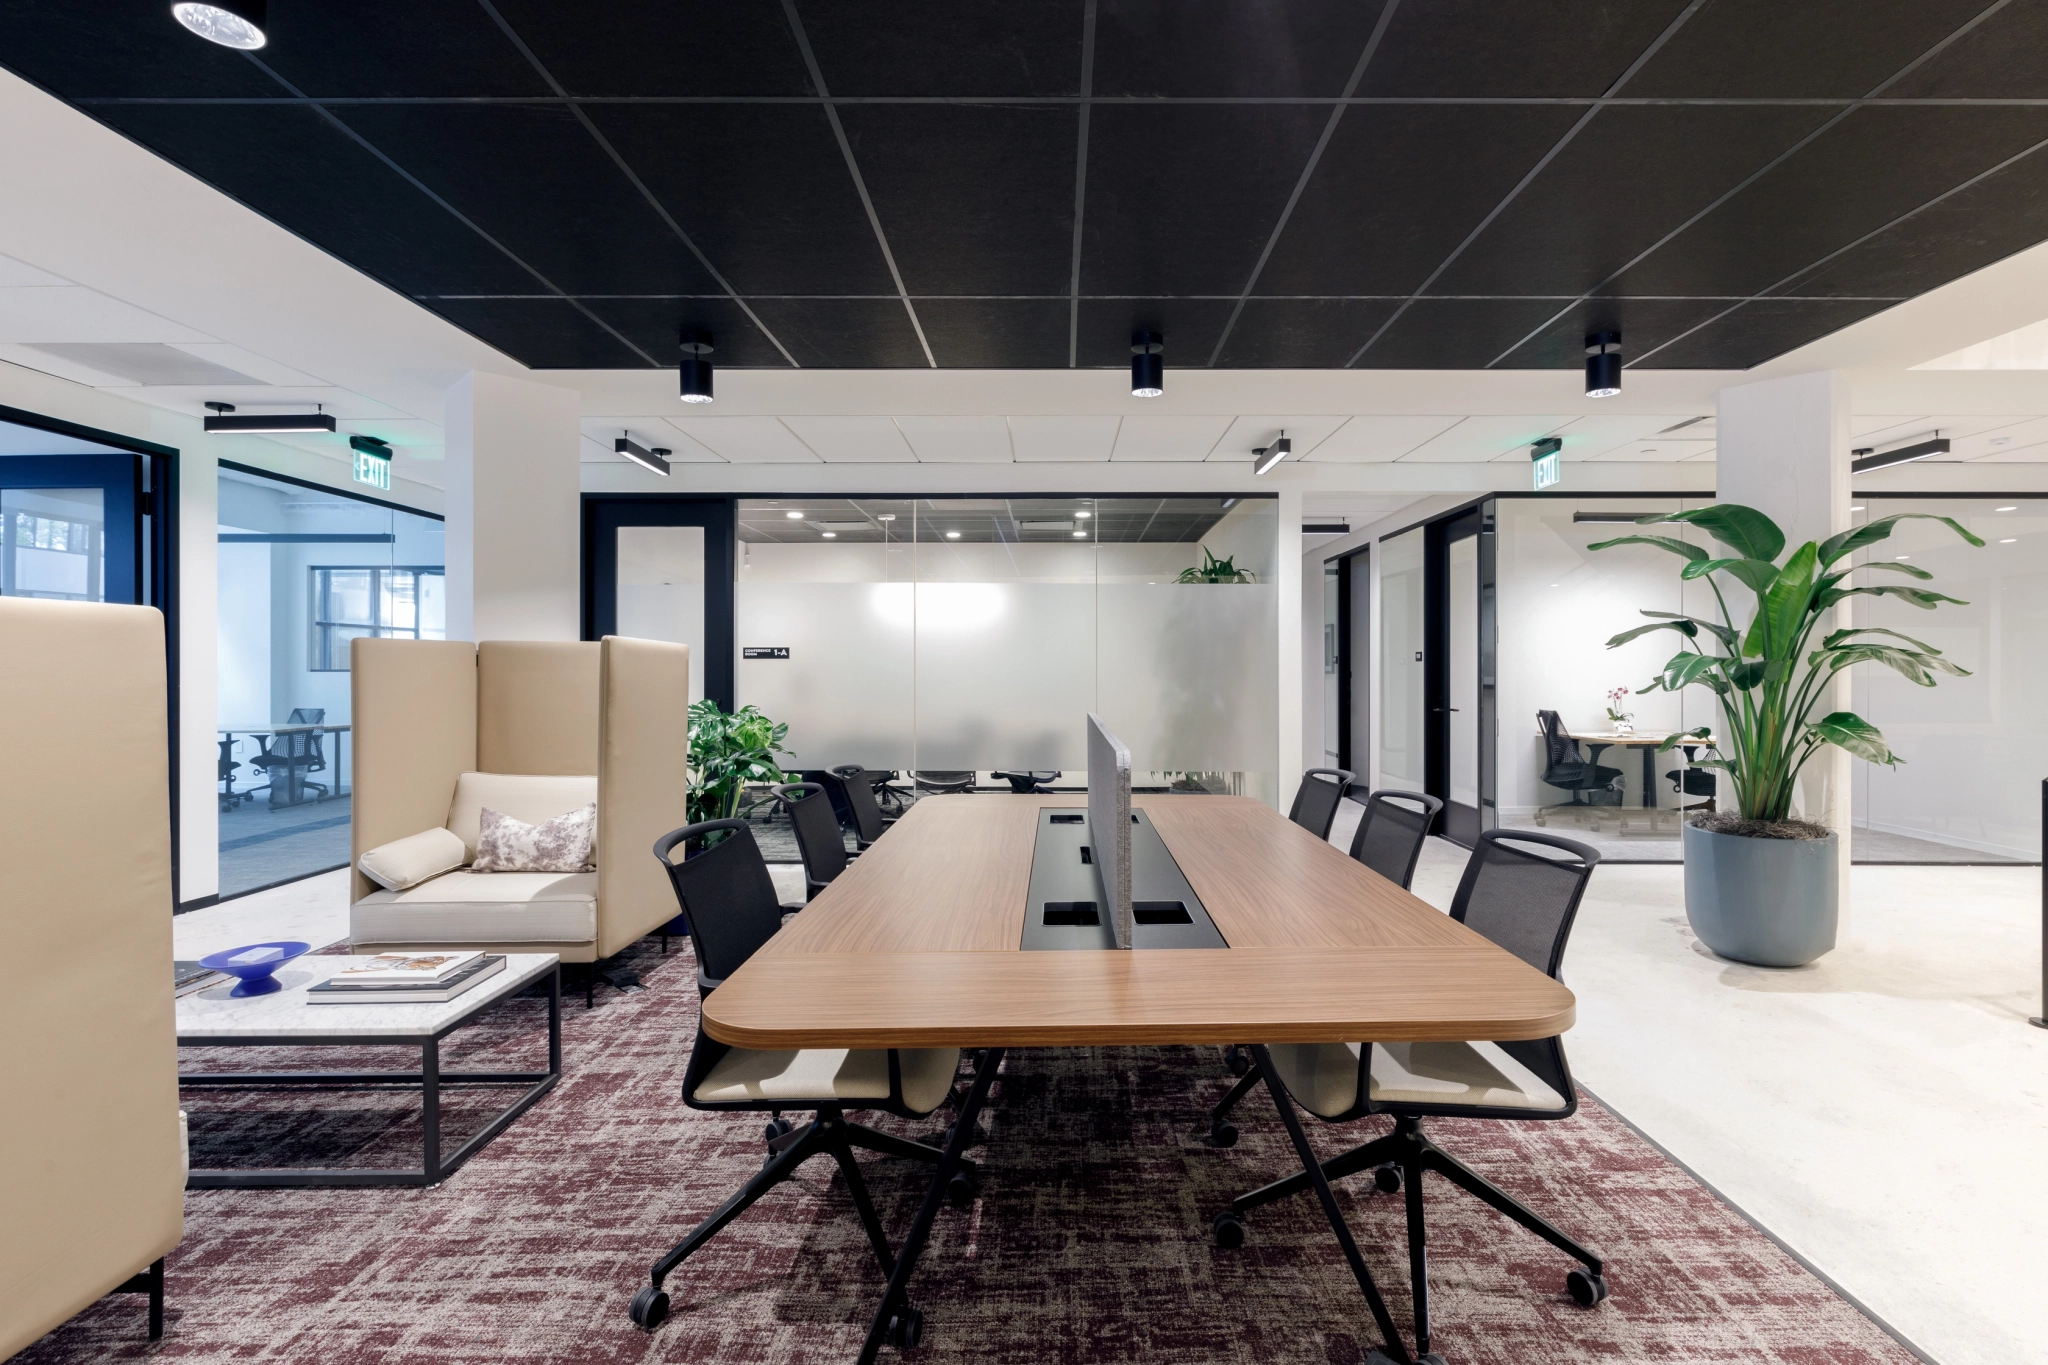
x=434, y=1167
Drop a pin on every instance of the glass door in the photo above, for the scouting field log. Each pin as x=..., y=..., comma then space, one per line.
x=1354, y=645
x=1459, y=677
x=661, y=568
x=1403, y=665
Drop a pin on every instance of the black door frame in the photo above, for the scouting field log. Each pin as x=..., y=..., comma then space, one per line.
x=1456, y=823
x=1350, y=656
x=605, y=513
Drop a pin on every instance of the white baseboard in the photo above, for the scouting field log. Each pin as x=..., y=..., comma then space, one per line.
x=1974, y=845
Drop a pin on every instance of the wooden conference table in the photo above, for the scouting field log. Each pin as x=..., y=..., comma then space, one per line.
x=917, y=944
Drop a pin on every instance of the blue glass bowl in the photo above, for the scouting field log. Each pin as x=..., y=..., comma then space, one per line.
x=254, y=964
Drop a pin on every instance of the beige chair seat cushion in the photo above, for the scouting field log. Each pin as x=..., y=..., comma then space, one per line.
x=533, y=799
x=1323, y=1077
x=482, y=907
x=827, y=1074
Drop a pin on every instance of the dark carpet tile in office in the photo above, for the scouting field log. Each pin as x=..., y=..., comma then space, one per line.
x=1089, y=1243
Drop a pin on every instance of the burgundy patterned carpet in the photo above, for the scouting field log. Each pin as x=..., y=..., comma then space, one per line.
x=1090, y=1241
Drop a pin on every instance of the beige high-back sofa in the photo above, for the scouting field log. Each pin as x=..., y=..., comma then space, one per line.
x=92, y=1170
x=426, y=712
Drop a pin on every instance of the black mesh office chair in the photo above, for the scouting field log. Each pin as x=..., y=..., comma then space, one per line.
x=727, y=896
x=818, y=839
x=293, y=751
x=941, y=783
x=1390, y=837
x=1564, y=766
x=1315, y=800
x=1691, y=781
x=1523, y=899
x=1025, y=782
x=857, y=789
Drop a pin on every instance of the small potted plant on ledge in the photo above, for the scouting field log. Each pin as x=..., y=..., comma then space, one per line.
x=1620, y=721
x=1761, y=887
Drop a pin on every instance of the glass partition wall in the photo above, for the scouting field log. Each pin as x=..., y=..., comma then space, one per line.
x=960, y=637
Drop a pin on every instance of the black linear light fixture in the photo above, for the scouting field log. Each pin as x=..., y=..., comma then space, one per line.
x=226, y=422
x=1866, y=460
x=696, y=369
x=654, y=460
x=1603, y=364
x=1268, y=456
x=239, y=24
x=1148, y=364
x=1629, y=517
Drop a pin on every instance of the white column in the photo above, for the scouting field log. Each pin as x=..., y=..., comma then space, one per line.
x=1290, y=610
x=197, y=499
x=1783, y=449
x=514, y=510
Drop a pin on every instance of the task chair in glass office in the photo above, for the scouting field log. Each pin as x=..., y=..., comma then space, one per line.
x=943, y=782
x=725, y=893
x=818, y=840
x=1317, y=798
x=1522, y=891
x=1691, y=781
x=1564, y=766
x=857, y=787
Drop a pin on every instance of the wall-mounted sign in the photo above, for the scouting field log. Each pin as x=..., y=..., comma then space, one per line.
x=764, y=652
x=373, y=471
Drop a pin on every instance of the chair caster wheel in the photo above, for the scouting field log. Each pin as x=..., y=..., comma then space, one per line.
x=1222, y=1133
x=1387, y=1179
x=1228, y=1230
x=961, y=1189
x=906, y=1329
x=777, y=1128
x=1237, y=1061
x=650, y=1307
x=1587, y=1287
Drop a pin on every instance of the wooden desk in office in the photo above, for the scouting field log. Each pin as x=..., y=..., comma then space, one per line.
x=917, y=945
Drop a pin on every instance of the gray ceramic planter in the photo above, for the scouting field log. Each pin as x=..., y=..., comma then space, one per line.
x=1771, y=902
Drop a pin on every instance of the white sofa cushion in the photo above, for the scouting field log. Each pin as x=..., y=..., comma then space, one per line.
x=522, y=796
x=481, y=907
x=412, y=860
x=824, y=1073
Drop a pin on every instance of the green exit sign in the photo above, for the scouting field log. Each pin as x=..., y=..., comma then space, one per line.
x=374, y=470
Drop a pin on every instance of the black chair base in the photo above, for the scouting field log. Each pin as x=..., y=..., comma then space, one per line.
x=830, y=1133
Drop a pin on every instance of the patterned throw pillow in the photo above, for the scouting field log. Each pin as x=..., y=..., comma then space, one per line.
x=562, y=844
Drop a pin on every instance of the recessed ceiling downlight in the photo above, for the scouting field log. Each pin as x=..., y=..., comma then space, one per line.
x=238, y=24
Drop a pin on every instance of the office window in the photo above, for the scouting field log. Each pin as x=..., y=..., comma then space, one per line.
x=405, y=604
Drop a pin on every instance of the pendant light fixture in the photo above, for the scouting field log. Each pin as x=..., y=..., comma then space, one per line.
x=1603, y=364
x=696, y=370
x=239, y=24
x=654, y=461
x=225, y=422
x=1148, y=366
x=1268, y=456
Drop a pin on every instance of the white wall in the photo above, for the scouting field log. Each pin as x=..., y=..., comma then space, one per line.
x=514, y=511
x=244, y=633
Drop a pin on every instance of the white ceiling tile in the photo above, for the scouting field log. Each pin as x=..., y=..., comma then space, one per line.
x=853, y=440
x=1873, y=423
x=1999, y=442
x=958, y=440
x=746, y=440
x=249, y=363
x=1377, y=439
x=1063, y=438
x=1593, y=436
x=190, y=398
x=1654, y=450
x=19, y=274
x=1168, y=438
x=1306, y=433
x=70, y=313
x=1478, y=439
x=2034, y=454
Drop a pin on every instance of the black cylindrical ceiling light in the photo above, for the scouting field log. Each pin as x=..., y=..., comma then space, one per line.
x=239, y=24
x=1148, y=365
x=1603, y=364
x=696, y=374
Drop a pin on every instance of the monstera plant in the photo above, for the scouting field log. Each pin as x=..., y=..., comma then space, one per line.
x=1769, y=668
x=728, y=751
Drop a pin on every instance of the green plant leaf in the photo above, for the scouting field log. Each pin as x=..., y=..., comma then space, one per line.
x=1873, y=531
x=1782, y=609
x=1903, y=661
x=1692, y=552
x=1756, y=574
x=1748, y=673
x=1744, y=530
x=1719, y=632
x=1839, y=636
x=1919, y=597
x=1910, y=570
x=1676, y=738
x=1684, y=628
x=1689, y=668
x=1847, y=730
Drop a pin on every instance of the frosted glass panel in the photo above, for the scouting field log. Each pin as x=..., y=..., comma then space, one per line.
x=1005, y=675
x=661, y=589
x=1401, y=714
x=845, y=689
x=1186, y=675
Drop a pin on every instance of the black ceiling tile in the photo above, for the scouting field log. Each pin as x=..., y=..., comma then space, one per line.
x=438, y=48
x=542, y=334
x=1181, y=199
x=2004, y=213
x=294, y=167
x=655, y=326
x=996, y=334
x=844, y=334
x=2005, y=57
x=1302, y=334
x=1226, y=48
x=1454, y=334
x=1632, y=175
x=763, y=190
x=128, y=48
x=1189, y=328
x=1760, y=331
x=1533, y=48
x=1767, y=49
x=975, y=199
x=678, y=47
x=534, y=178
x=1644, y=324
x=947, y=47
x=1381, y=213
x=1875, y=165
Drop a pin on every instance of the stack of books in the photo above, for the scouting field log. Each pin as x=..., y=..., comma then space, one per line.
x=405, y=979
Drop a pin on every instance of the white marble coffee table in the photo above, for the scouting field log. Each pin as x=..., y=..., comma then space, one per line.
x=214, y=1018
